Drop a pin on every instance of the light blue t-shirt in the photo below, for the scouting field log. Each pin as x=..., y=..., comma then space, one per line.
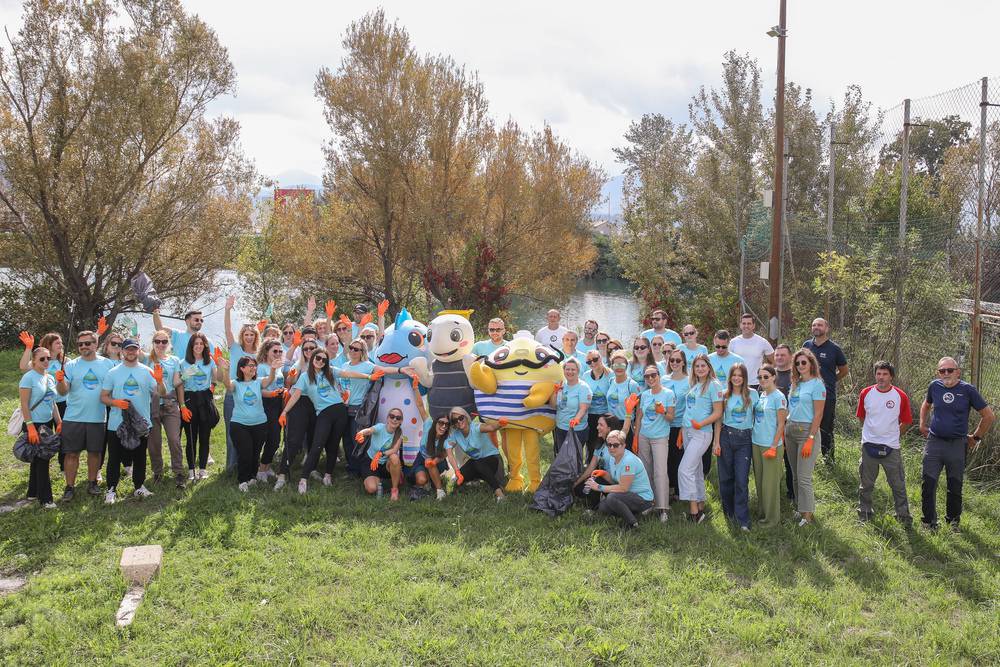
x=598, y=391
x=134, y=384
x=477, y=445
x=617, y=393
x=721, y=365
x=357, y=386
x=690, y=354
x=680, y=388
x=278, y=383
x=43, y=392
x=632, y=465
x=196, y=376
x=765, y=418
x=583, y=348
x=248, y=405
x=381, y=440
x=568, y=401
x=321, y=393
x=636, y=372
x=699, y=403
x=171, y=365
x=85, y=379
x=668, y=336
x=655, y=425
x=737, y=415
x=801, y=397
x=179, y=342
x=54, y=366
x=235, y=354
x=484, y=348
x=604, y=458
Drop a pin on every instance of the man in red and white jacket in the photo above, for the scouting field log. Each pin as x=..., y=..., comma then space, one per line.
x=884, y=411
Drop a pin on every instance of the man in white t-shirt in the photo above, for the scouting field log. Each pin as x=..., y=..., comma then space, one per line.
x=885, y=414
x=754, y=349
x=552, y=334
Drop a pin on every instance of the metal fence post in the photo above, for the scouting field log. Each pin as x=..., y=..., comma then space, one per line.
x=977, y=289
x=829, y=215
x=903, y=194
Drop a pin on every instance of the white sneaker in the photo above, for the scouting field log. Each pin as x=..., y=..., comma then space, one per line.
x=270, y=473
x=251, y=482
x=664, y=517
x=202, y=474
x=441, y=494
x=315, y=475
x=280, y=484
x=109, y=497
x=143, y=492
x=327, y=480
x=191, y=475
x=244, y=487
x=210, y=461
x=262, y=476
x=49, y=506
x=303, y=485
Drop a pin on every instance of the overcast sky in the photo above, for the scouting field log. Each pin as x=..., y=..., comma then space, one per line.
x=590, y=68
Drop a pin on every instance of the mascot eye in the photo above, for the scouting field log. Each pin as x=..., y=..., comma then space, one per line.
x=456, y=335
x=416, y=340
x=541, y=354
x=501, y=354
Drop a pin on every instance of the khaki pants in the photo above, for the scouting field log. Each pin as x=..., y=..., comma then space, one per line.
x=767, y=474
x=796, y=434
x=165, y=417
x=654, y=453
x=868, y=469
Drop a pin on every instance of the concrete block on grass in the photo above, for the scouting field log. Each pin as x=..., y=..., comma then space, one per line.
x=140, y=564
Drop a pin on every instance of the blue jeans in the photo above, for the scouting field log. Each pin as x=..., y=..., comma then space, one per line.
x=232, y=456
x=734, y=473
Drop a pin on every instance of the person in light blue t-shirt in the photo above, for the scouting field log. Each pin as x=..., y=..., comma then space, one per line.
x=245, y=345
x=722, y=359
x=704, y=407
x=653, y=416
x=571, y=402
x=806, y=403
x=628, y=490
x=249, y=424
x=768, y=428
x=733, y=446
x=495, y=328
x=658, y=319
x=596, y=376
x=691, y=347
x=37, y=394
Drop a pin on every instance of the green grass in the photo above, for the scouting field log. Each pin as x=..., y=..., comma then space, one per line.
x=337, y=578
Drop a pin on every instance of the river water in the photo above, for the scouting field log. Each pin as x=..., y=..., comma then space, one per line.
x=608, y=301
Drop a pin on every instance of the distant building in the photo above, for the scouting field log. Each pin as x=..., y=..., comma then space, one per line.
x=283, y=194
x=606, y=225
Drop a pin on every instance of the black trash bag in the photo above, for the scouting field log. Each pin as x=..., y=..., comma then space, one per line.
x=555, y=494
x=367, y=414
x=145, y=293
x=132, y=428
x=48, y=445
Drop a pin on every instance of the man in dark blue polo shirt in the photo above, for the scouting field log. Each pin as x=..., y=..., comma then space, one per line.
x=832, y=367
x=944, y=419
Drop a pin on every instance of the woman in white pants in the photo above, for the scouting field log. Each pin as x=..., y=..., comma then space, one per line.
x=703, y=410
x=656, y=411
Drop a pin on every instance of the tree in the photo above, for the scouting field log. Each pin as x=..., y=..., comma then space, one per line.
x=110, y=166
x=929, y=140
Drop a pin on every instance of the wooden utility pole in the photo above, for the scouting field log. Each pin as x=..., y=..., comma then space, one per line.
x=774, y=277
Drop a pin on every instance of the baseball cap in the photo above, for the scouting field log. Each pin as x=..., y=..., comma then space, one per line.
x=360, y=308
x=129, y=342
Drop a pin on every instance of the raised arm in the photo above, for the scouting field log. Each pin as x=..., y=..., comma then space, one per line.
x=228, y=320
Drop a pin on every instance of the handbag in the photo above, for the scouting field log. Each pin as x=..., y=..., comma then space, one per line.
x=876, y=451
x=16, y=420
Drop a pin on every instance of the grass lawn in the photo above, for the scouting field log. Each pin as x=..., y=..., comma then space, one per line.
x=334, y=577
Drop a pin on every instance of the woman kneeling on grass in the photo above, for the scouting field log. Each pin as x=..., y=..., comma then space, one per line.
x=625, y=483
x=435, y=455
x=383, y=457
x=484, y=457
x=249, y=423
x=599, y=462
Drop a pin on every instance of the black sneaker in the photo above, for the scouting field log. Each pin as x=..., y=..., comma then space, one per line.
x=931, y=525
x=953, y=524
x=93, y=489
x=180, y=481
x=864, y=517
x=68, y=494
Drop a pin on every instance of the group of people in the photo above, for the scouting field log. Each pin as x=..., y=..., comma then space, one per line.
x=651, y=421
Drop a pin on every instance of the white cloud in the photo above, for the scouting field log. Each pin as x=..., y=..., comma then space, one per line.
x=590, y=68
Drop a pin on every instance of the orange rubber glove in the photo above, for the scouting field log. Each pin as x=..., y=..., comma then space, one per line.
x=102, y=326
x=186, y=413
x=60, y=376
x=630, y=403
x=27, y=340
x=120, y=403
x=296, y=338
x=290, y=377
x=377, y=373
x=365, y=319
x=382, y=307
x=770, y=453
x=282, y=419
x=459, y=478
x=359, y=437
x=635, y=443
x=503, y=421
x=660, y=408
x=261, y=325
x=601, y=473
x=331, y=308
x=32, y=434
x=157, y=373
x=217, y=355
x=696, y=424
x=430, y=463
x=555, y=389
x=59, y=428
x=374, y=465
x=345, y=396
x=680, y=439
x=344, y=319
x=416, y=382
x=574, y=422
x=807, y=448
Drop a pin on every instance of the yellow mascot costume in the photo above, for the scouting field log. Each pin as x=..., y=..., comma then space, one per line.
x=514, y=383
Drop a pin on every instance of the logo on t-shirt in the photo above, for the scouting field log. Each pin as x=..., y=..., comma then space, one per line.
x=627, y=467
x=890, y=404
x=948, y=397
x=131, y=387
x=249, y=397
x=90, y=380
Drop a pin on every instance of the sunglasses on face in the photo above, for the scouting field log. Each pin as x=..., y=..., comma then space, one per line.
x=641, y=347
x=114, y=343
x=763, y=376
x=677, y=361
x=602, y=341
x=657, y=344
x=316, y=358
x=396, y=418
x=494, y=329
x=85, y=343
x=457, y=420
x=340, y=329
x=721, y=347
x=689, y=333
x=946, y=371
x=441, y=422
x=44, y=359
x=354, y=348
x=613, y=445
x=656, y=319
x=651, y=375
x=591, y=362
x=275, y=350
x=161, y=342
x=802, y=362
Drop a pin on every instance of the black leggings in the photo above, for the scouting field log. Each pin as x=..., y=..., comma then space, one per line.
x=248, y=440
x=198, y=431
x=272, y=429
x=39, y=479
x=330, y=426
x=674, y=457
x=485, y=469
x=115, y=454
x=298, y=432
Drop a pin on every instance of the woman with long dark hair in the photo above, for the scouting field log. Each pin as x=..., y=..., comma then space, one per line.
x=272, y=397
x=198, y=372
x=733, y=446
x=435, y=455
x=249, y=424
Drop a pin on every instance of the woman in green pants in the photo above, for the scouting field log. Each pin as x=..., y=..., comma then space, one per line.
x=768, y=430
x=806, y=402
